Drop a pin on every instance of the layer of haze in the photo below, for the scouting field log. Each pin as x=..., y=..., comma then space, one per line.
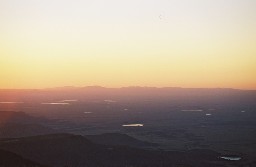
x=115, y=43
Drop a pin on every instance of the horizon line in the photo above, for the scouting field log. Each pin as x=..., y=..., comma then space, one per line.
x=122, y=87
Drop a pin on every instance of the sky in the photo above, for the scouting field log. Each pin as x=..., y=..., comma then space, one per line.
x=117, y=43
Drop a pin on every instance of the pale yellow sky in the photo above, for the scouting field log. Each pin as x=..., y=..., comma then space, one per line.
x=115, y=43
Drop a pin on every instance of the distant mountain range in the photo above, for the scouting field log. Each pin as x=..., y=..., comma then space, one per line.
x=122, y=88
x=28, y=95
x=129, y=87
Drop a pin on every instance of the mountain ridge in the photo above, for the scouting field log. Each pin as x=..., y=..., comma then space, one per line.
x=124, y=87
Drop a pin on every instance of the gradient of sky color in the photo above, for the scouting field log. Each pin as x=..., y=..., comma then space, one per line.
x=115, y=43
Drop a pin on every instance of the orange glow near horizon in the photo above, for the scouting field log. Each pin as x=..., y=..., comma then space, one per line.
x=159, y=43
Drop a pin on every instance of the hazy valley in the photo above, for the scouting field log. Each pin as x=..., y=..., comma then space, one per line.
x=95, y=126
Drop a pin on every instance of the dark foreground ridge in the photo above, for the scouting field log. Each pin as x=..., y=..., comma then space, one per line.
x=61, y=150
x=118, y=139
x=9, y=159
